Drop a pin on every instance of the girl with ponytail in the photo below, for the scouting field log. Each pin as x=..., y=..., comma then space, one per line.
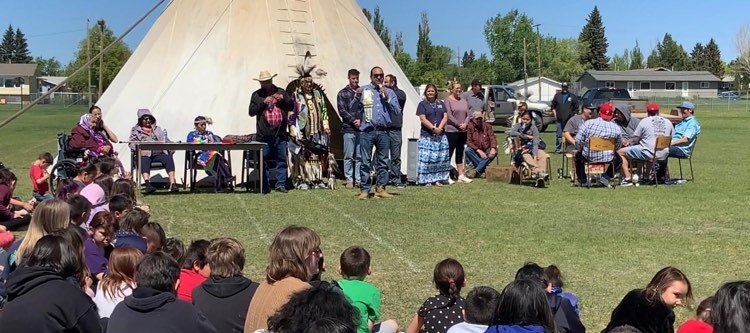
x=438, y=313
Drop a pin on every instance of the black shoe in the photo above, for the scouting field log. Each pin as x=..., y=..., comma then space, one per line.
x=148, y=188
x=282, y=190
x=173, y=188
x=540, y=183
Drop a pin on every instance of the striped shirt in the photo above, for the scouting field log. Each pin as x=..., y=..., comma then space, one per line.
x=598, y=128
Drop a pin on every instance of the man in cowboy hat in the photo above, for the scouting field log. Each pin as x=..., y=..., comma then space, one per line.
x=270, y=104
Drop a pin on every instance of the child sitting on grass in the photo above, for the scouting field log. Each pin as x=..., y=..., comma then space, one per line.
x=80, y=208
x=481, y=303
x=119, y=205
x=126, y=187
x=555, y=280
x=702, y=321
x=440, y=312
x=354, y=268
x=195, y=269
x=129, y=233
x=174, y=248
x=10, y=219
x=100, y=233
x=70, y=187
x=154, y=235
x=40, y=177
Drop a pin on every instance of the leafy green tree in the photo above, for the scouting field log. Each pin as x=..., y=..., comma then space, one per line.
x=636, y=57
x=505, y=36
x=564, y=65
x=594, y=36
x=379, y=25
x=620, y=62
x=48, y=66
x=114, y=59
x=398, y=44
x=368, y=14
x=424, y=44
x=654, y=60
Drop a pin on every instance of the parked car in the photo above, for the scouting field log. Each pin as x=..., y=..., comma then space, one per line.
x=729, y=95
x=503, y=101
x=597, y=96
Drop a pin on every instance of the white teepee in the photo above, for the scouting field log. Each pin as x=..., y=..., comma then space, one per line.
x=200, y=56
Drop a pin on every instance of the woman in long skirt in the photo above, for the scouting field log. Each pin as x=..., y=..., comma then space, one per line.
x=434, y=159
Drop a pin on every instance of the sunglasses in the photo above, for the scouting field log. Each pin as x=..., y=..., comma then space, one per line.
x=378, y=75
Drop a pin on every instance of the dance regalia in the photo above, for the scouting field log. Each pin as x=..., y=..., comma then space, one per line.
x=308, y=124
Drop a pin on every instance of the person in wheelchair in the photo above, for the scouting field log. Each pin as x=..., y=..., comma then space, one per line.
x=90, y=137
x=147, y=130
x=210, y=160
x=529, y=148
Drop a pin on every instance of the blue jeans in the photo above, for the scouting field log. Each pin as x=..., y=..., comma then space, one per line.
x=479, y=163
x=42, y=197
x=382, y=143
x=558, y=142
x=351, y=161
x=395, y=150
x=275, y=149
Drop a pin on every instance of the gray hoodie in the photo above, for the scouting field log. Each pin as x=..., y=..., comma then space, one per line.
x=138, y=134
x=629, y=125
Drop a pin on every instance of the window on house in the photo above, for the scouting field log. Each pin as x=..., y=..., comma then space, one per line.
x=645, y=85
x=705, y=85
x=609, y=84
x=669, y=85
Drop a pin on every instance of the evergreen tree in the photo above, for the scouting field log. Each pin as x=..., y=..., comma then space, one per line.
x=672, y=55
x=636, y=57
x=593, y=35
x=467, y=59
x=368, y=15
x=654, y=60
x=21, y=49
x=398, y=44
x=698, y=57
x=379, y=25
x=714, y=64
x=424, y=45
x=7, y=46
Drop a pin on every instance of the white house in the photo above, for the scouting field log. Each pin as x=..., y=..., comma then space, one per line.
x=549, y=88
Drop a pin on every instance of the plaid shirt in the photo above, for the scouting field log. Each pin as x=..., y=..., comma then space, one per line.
x=598, y=128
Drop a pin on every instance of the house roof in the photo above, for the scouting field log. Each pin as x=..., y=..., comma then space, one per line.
x=651, y=75
x=55, y=80
x=534, y=79
x=18, y=69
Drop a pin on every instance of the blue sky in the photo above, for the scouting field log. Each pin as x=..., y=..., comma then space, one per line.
x=54, y=27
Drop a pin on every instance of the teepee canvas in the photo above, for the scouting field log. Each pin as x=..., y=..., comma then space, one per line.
x=200, y=57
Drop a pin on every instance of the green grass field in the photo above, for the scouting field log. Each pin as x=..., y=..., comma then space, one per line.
x=606, y=242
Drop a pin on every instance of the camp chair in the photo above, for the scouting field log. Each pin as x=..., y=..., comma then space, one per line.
x=525, y=171
x=662, y=142
x=191, y=166
x=689, y=158
x=599, y=168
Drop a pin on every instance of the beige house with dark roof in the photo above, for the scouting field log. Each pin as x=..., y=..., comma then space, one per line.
x=17, y=81
x=658, y=82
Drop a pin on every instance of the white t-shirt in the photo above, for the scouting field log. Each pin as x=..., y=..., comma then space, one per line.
x=104, y=304
x=467, y=328
x=648, y=129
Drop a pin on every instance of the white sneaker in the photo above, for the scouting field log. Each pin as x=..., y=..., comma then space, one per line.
x=451, y=181
x=464, y=179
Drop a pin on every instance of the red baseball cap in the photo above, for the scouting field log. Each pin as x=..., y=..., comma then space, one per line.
x=652, y=107
x=606, y=111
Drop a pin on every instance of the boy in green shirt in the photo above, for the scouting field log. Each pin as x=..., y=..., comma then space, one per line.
x=354, y=267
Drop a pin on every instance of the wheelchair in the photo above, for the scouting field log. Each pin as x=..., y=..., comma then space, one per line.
x=69, y=161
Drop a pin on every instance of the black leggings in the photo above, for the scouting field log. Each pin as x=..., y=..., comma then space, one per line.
x=16, y=223
x=456, y=142
x=164, y=159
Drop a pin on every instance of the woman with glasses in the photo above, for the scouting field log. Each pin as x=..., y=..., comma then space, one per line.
x=147, y=130
x=210, y=160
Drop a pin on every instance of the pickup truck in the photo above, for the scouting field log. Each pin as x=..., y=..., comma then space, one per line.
x=502, y=102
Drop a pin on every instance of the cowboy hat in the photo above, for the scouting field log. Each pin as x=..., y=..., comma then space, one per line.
x=265, y=76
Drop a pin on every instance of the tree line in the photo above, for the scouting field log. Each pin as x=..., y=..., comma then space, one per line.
x=562, y=59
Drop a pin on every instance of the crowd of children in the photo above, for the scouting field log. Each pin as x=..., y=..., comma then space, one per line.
x=92, y=261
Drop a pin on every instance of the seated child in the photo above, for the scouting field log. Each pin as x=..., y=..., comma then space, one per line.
x=702, y=321
x=85, y=176
x=443, y=310
x=129, y=233
x=98, y=199
x=126, y=187
x=154, y=235
x=554, y=277
x=120, y=205
x=101, y=231
x=40, y=177
x=354, y=267
x=481, y=303
x=174, y=248
x=226, y=294
x=80, y=209
x=10, y=219
x=194, y=269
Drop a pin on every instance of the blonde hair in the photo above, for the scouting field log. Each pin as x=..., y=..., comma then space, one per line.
x=288, y=253
x=49, y=216
x=226, y=257
x=121, y=266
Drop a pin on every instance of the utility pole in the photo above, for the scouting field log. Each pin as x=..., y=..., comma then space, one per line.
x=101, y=57
x=88, y=56
x=539, y=60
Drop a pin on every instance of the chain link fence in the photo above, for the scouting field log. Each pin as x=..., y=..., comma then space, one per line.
x=741, y=102
x=66, y=98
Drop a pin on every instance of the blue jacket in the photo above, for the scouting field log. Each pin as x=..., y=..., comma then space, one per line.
x=377, y=110
x=515, y=329
x=130, y=239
